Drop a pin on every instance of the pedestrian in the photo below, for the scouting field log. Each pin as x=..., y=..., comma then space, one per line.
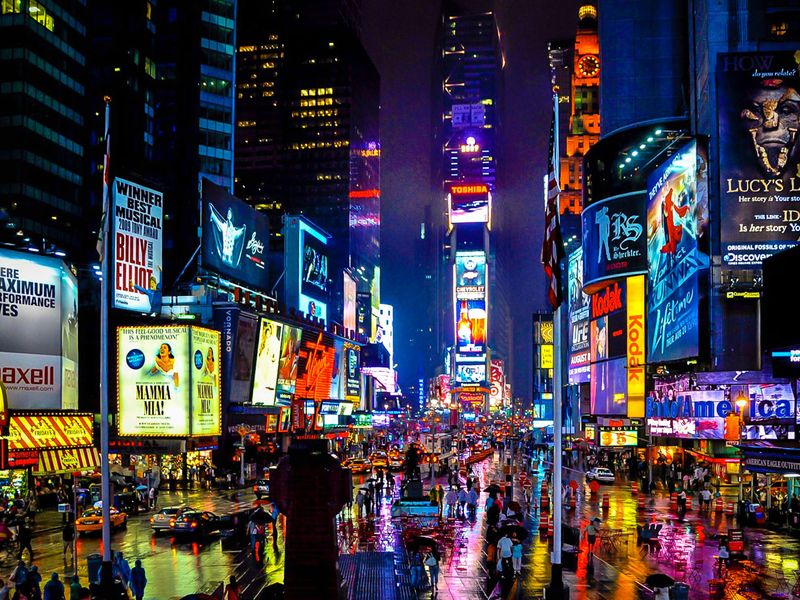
x=516, y=554
x=75, y=588
x=20, y=575
x=121, y=569
x=661, y=593
x=504, y=547
x=463, y=497
x=432, y=562
x=417, y=570
x=251, y=533
x=472, y=501
x=138, y=580
x=360, y=498
x=440, y=498
x=151, y=498
x=54, y=590
x=706, y=497
x=591, y=536
x=390, y=483
x=24, y=538
x=3, y=590
x=35, y=582
x=451, y=499
x=232, y=591
x=67, y=538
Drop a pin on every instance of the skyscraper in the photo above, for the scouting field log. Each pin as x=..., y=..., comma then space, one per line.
x=42, y=125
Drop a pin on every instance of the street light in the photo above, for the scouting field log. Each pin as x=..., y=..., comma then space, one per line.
x=741, y=403
x=243, y=431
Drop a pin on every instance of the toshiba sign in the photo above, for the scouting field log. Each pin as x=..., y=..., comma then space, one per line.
x=469, y=189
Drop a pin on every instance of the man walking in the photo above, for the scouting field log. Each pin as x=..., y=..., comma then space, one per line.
x=138, y=580
x=67, y=538
x=24, y=539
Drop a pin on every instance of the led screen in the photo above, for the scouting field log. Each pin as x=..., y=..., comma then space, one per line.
x=471, y=373
x=314, y=279
x=265, y=375
x=288, y=363
x=471, y=327
x=316, y=359
x=578, y=308
x=469, y=203
x=609, y=387
x=618, y=437
x=470, y=275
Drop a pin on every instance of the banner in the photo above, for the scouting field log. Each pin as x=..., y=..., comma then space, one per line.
x=677, y=254
x=288, y=363
x=26, y=432
x=759, y=152
x=238, y=332
x=614, y=240
x=352, y=356
x=67, y=460
x=138, y=234
x=205, y=401
x=265, y=377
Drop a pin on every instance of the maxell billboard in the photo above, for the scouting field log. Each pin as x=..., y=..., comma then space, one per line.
x=138, y=228
x=38, y=332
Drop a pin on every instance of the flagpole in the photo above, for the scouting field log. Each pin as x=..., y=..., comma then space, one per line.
x=105, y=470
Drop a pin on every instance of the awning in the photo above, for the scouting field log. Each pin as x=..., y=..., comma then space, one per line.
x=52, y=462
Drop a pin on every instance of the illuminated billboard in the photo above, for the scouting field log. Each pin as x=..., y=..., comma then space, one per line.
x=614, y=241
x=635, y=342
x=688, y=414
x=616, y=437
x=496, y=384
x=35, y=431
x=38, y=332
x=470, y=373
x=578, y=309
x=168, y=381
x=470, y=275
x=238, y=332
x=316, y=359
x=608, y=388
x=471, y=327
x=469, y=203
x=677, y=253
x=759, y=155
x=235, y=238
x=352, y=363
x=265, y=375
x=288, y=363
x=306, y=267
x=349, y=291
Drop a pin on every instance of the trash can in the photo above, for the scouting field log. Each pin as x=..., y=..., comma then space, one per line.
x=680, y=591
x=93, y=564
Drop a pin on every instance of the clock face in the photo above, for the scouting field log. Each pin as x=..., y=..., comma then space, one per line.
x=589, y=66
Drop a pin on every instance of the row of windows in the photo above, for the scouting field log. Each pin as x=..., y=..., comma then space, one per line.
x=219, y=60
x=273, y=37
x=314, y=145
x=329, y=177
x=17, y=87
x=320, y=102
x=254, y=85
x=43, y=65
x=42, y=163
x=30, y=191
x=310, y=114
x=251, y=96
x=316, y=92
x=42, y=130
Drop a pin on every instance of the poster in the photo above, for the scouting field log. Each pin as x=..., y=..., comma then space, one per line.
x=349, y=290
x=759, y=117
x=205, y=401
x=470, y=275
x=471, y=327
x=609, y=387
x=265, y=374
x=137, y=240
x=614, y=242
x=578, y=309
x=339, y=372
x=287, y=365
x=241, y=378
x=677, y=254
x=316, y=358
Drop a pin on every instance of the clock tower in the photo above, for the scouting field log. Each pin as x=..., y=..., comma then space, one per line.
x=584, y=121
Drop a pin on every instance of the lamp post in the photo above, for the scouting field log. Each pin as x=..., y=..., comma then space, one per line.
x=741, y=403
x=243, y=431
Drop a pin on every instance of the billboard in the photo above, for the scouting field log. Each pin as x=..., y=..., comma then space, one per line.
x=138, y=234
x=677, y=253
x=167, y=381
x=349, y=290
x=32, y=431
x=615, y=437
x=470, y=282
x=316, y=358
x=607, y=328
x=306, y=267
x=496, y=384
x=614, y=241
x=469, y=203
x=688, y=414
x=471, y=373
x=578, y=309
x=471, y=327
x=339, y=373
x=235, y=238
x=265, y=375
x=759, y=153
x=352, y=363
x=609, y=387
x=238, y=332
x=288, y=363
x=635, y=341
x=38, y=332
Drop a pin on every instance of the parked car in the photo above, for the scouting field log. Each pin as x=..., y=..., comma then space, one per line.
x=195, y=522
x=92, y=520
x=261, y=488
x=358, y=465
x=601, y=475
x=160, y=520
x=379, y=459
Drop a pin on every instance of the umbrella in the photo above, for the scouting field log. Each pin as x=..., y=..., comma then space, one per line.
x=513, y=528
x=514, y=506
x=141, y=488
x=422, y=541
x=492, y=489
x=261, y=516
x=573, y=484
x=660, y=580
x=594, y=486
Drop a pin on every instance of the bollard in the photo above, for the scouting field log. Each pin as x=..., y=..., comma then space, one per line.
x=640, y=503
x=543, y=524
x=550, y=527
x=729, y=509
x=606, y=503
x=673, y=502
x=718, y=505
x=635, y=488
x=688, y=503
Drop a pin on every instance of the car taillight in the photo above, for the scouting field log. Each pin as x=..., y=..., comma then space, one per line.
x=255, y=488
x=101, y=520
x=152, y=519
x=172, y=522
x=194, y=524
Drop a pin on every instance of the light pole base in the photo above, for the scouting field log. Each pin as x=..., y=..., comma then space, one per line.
x=556, y=590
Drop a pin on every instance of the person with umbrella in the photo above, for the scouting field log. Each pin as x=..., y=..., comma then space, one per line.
x=660, y=584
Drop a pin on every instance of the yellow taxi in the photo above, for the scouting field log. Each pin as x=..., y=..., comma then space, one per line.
x=92, y=520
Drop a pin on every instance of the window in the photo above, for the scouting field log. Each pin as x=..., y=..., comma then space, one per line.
x=39, y=14
x=12, y=6
x=149, y=67
x=779, y=29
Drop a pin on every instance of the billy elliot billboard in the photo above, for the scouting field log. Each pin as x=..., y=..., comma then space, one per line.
x=578, y=306
x=137, y=239
x=759, y=117
x=677, y=253
x=235, y=238
x=614, y=241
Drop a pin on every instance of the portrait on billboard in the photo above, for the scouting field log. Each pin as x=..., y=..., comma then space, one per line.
x=677, y=253
x=314, y=280
x=205, y=397
x=267, y=362
x=609, y=387
x=471, y=327
x=759, y=116
x=287, y=366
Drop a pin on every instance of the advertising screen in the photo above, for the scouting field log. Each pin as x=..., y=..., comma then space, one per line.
x=305, y=267
x=470, y=373
x=607, y=328
x=469, y=203
x=205, y=378
x=609, y=389
x=770, y=402
x=578, y=308
x=759, y=152
x=314, y=279
x=614, y=241
x=235, y=238
x=288, y=363
x=618, y=437
x=284, y=419
x=687, y=414
x=315, y=365
x=238, y=331
x=137, y=238
x=349, y=313
x=38, y=332
x=470, y=275
x=339, y=374
x=677, y=253
x=635, y=341
x=471, y=327
x=352, y=353
x=497, y=383
x=265, y=375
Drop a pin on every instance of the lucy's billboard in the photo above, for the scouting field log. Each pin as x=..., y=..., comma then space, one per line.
x=38, y=332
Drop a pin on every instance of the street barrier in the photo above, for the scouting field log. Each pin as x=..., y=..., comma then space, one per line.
x=635, y=488
x=606, y=502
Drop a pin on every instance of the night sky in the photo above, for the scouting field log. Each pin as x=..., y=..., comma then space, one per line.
x=399, y=37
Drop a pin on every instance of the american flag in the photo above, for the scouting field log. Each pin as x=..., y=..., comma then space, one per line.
x=553, y=247
x=103, y=232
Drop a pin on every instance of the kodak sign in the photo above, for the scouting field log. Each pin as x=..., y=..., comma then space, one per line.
x=636, y=346
x=608, y=300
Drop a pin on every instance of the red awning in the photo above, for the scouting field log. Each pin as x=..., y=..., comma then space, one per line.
x=67, y=461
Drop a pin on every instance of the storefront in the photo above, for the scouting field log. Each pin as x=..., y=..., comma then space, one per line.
x=775, y=471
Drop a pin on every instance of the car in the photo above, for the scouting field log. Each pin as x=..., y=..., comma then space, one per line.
x=601, y=475
x=395, y=461
x=92, y=520
x=261, y=488
x=160, y=520
x=195, y=522
x=379, y=459
x=358, y=465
